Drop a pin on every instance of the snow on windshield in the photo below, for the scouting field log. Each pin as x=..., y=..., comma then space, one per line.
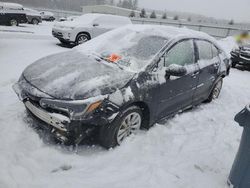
x=135, y=46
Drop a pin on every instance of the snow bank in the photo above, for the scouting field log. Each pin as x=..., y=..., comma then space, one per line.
x=228, y=44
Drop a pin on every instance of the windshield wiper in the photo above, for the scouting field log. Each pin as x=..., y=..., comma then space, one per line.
x=104, y=59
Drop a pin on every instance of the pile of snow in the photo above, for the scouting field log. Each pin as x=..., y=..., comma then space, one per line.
x=194, y=149
x=228, y=44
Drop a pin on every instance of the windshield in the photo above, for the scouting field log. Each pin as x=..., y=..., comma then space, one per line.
x=127, y=47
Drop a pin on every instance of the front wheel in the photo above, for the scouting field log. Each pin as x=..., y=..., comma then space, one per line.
x=128, y=122
x=13, y=22
x=82, y=38
x=215, y=91
x=35, y=22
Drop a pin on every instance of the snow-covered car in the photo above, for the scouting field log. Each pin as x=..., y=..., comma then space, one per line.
x=47, y=16
x=86, y=27
x=122, y=81
x=241, y=55
x=12, y=14
x=33, y=16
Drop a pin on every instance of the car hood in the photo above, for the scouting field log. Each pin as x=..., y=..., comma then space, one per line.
x=74, y=75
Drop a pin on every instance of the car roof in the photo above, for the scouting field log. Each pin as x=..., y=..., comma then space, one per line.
x=97, y=15
x=11, y=5
x=171, y=32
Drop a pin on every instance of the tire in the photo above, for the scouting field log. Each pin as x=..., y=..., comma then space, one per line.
x=82, y=38
x=234, y=64
x=13, y=22
x=108, y=135
x=35, y=21
x=215, y=91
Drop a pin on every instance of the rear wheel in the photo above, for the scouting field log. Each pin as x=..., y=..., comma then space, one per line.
x=13, y=22
x=127, y=123
x=35, y=21
x=82, y=38
x=216, y=91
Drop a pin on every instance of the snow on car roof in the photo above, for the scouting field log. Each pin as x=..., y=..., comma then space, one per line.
x=93, y=16
x=170, y=31
x=138, y=44
x=11, y=5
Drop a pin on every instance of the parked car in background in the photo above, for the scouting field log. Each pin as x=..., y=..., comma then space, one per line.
x=241, y=55
x=121, y=81
x=33, y=16
x=47, y=16
x=12, y=14
x=86, y=27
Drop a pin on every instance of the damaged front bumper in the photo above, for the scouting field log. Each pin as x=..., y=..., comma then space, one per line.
x=59, y=123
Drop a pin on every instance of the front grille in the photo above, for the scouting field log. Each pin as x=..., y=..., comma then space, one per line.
x=52, y=119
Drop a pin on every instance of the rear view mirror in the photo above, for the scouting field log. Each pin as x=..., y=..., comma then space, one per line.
x=175, y=70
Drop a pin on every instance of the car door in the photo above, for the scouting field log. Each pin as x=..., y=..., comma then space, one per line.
x=176, y=93
x=209, y=63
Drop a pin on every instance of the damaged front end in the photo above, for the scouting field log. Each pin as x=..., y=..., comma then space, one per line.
x=70, y=121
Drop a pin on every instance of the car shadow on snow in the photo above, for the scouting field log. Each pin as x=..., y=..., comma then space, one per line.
x=66, y=45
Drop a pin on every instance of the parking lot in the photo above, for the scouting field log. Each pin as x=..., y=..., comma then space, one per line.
x=194, y=149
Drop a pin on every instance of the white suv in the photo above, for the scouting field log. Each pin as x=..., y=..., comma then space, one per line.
x=87, y=27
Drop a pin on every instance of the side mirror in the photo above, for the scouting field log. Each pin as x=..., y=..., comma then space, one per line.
x=175, y=70
x=95, y=25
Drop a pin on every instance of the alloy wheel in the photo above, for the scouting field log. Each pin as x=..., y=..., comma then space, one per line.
x=13, y=22
x=130, y=124
x=82, y=39
x=35, y=21
x=217, y=89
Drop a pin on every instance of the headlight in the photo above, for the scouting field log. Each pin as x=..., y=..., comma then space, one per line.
x=77, y=109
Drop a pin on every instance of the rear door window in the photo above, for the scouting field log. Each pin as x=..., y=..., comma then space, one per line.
x=215, y=51
x=204, y=50
x=181, y=54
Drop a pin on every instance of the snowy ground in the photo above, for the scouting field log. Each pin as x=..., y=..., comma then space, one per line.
x=192, y=150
